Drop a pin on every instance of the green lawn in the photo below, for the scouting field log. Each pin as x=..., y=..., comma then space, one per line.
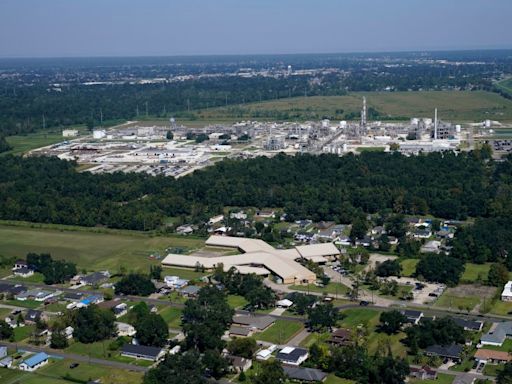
x=236, y=301
x=23, y=143
x=98, y=349
x=492, y=369
x=24, y=303
x=409, y=266
x=313, y=338
x=462, y=303
x=92, y=250
x=442, y=378
x=280, y=332
x=331, y=289
x=22, y=333
x=333, y=379
x=475, y=271
x=172, y=316
x=84, y=372
x=356, y=316
x=188, y=274
x=376, y=340
x=35, y=278
x=502, y=308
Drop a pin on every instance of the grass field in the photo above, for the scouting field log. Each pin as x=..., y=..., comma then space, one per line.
x=475, y=271
x=506, y=346
x=280, y=332
x=452, y=105
x=356, y=316
x=22, y=333
x=187, y=274
x=331, y=288
x=502, y=308
x=23, y=143
x=378, y=340
x=333, y=379
x=451, y=301
x=409, y=266
x=91, y=250
x=313, y=338
x=236, y=301
x=172, y=316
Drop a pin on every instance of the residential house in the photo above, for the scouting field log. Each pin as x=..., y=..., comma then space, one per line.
x=392, y=240
x=73, y=296
x=3, y=351
x=452, y=352
x=256, y=323
x=6, y=362
x=142, y=352
x=20, y=264
x=120, y=310
x=284, y=303
x=215, y=219
x=413, y=317
x=190, y=291
x=341, y=337
x=36, y=294
x=266, y=214
x=331, y=233
x=305, y=375
x=95, y=278
x=423, y=373
x=239, y=364
x=422, y=233
x=34, y=362
x=432, y=246
x=68, y=332
x=264, y=354
x=125, y=329
x=497, y=335
x=23, y=272
x=185, y=230
x=506, y=295
x=33, y=316
x=491, y=356
x=238, y=215
x=469, y=325
x=175, y=282
x=236, y=331
x=292, y=355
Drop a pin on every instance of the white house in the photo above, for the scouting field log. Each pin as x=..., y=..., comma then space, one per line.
x=215, y=219
x=125, y=329
x=285, y=303
x=34, y=362
x=506, y=295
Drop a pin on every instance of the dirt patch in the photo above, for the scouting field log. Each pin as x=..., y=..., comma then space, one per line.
x=465, y=290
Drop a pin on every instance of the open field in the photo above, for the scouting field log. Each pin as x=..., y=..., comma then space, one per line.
x=24, y=143
x=474, y=272
x=331, y=288
x=172, y=316
x=91, y=250
x=465, y=297
x=452, y=105
x=236, y=301
x=502, y=308
x=409, y=266
x=280, y=332
x=360, y=316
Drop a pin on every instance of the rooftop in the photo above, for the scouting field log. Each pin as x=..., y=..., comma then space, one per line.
x=36, y=359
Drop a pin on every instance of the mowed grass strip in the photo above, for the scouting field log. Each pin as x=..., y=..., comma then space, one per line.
x=474, y=272
x=280, y=332
x=409, y=266
x=360, y=316
x=172, y=316
x=91, y=250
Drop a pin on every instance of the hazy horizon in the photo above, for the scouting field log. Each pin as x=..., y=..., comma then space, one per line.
x=129, y=28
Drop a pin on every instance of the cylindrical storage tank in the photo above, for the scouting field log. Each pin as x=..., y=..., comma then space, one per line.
x=487, y=123
x=457, y=128
x=415, y=121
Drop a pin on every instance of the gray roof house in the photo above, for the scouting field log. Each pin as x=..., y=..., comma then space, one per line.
x=497, y=334
x=142, y=352
x=259, y=323
x=292, y=355
x=452, y=352
x=305, y=374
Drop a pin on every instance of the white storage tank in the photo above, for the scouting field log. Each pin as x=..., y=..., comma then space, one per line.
x=98, y=134
x=457, y=128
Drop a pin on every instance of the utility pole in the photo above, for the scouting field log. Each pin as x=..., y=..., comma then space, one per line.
x=226, y=100
x=137, y=110
x=188, y=105
x=146, y=109
x=101, y=117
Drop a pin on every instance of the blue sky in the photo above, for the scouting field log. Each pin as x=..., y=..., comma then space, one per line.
x=49, y=28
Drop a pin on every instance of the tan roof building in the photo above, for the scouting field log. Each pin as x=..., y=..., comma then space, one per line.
x=257, y=257
x=491, y=356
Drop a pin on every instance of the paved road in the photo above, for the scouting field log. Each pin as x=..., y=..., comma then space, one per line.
x=73, y=356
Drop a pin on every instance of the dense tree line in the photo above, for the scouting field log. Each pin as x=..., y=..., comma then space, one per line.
x=440, y=268
x=442, y=331
x=135, y=284
x=54, y=271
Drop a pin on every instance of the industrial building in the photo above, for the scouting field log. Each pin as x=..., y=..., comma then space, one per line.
x=260, y=258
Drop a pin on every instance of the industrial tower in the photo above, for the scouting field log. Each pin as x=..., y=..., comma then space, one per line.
x=363, y=113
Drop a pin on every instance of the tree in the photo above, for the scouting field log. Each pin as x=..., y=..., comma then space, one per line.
x=271, y=372
x=135, y=284
x=389, y=268
x=391, y=322
x=206, y=318
x=155, y=272
x=322, y=316
x=169, y=135
x=152, y=330
x=54, y=271
x=4, y=145
x=443, y=331
x=498, y=275
x=244, y=347
x=359, y=229
x=319, y=355
x=301, y=302
x=440, y=268
x=6, y=331
x=216, y=365
x=93, y=324
x=388, y=370
x=505, y=375
x=261, y=298
x=180, y=368
x=58, y=339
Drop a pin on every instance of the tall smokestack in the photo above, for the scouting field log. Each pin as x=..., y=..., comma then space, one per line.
x=435, y=124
